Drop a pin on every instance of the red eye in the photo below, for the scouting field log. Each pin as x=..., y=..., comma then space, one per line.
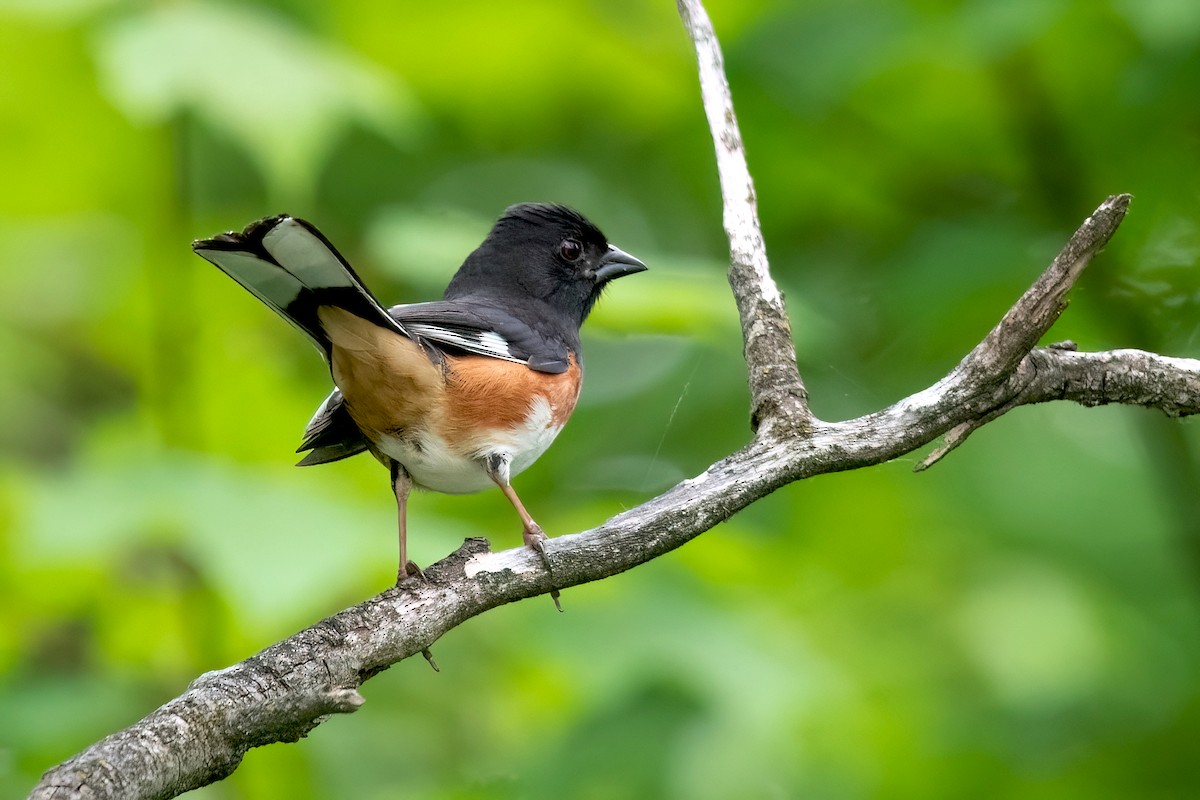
x=570, y=249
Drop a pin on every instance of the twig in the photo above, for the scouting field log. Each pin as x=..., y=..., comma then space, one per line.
x=998, y=357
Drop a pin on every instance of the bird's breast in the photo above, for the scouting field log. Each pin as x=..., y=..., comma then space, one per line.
x=486, y=407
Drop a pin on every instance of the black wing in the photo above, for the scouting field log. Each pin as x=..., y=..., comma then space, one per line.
x=485, y=329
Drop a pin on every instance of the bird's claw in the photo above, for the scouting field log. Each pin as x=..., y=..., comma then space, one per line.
x=536, y=539
x=409, y=570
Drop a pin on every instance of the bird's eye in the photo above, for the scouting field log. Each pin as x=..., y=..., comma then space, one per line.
x=570, y=249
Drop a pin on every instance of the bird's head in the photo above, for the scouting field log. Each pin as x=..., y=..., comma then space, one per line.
x=545, y=253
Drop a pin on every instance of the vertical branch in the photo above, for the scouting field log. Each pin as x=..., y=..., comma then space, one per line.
x=777, y=392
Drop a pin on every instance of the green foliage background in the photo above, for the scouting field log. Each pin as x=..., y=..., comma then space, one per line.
x=1021, y=621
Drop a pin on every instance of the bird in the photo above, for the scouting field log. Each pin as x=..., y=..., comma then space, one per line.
x=455, y=395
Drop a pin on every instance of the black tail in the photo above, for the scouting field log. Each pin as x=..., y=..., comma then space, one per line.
x=286, y=263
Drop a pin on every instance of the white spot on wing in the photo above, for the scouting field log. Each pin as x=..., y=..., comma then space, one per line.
x=484, y=343
x=495, y=343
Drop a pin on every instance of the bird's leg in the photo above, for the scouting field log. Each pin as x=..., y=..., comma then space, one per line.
x=497, y=466
x=401, y=486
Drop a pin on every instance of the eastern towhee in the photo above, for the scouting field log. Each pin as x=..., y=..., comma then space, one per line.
x=453, y=395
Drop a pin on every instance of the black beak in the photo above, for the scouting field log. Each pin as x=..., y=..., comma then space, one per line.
x=617, y=263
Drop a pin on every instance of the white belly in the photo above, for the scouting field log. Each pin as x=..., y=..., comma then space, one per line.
x=433, y=464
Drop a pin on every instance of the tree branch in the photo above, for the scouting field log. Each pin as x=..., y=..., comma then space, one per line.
x=777, y=394
x=1040, y=307
x=1058, y=372
x=281, y=693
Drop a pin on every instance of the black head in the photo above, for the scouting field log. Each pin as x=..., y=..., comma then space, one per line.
x=544, y=253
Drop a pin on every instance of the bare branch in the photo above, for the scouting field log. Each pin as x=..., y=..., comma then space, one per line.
x=1039, y=308
x=777, y=394
x=996, y=359
x=1128, y=377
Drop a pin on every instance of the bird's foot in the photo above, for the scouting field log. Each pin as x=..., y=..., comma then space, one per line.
x=535, y=539
x=407, y=570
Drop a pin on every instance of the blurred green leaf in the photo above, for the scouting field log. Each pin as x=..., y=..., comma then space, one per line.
x=53, y=9
x=282, y=95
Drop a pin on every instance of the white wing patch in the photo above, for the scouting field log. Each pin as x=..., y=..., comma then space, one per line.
x=494, y=342
x=484, y=343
